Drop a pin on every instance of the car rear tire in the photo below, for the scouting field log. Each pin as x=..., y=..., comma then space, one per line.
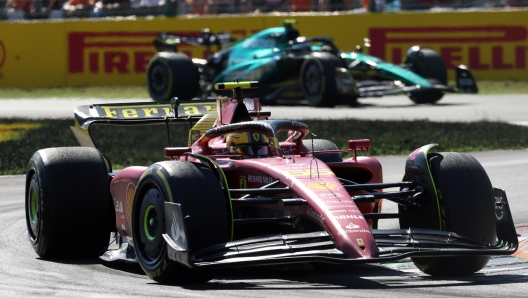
x=467, y=207
x=171, y=75
x=317, y=79
x=204, y=208
x=321, y=144
x=428, y=64
x=69, y=210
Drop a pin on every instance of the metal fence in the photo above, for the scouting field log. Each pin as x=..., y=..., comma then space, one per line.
x=44, y=9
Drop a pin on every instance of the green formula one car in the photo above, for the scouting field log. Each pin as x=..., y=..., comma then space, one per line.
x=298, y=70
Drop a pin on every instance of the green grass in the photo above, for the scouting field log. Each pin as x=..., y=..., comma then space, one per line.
x=503, y=87
x=486, y=87
x=126, y=146
x=77, y=92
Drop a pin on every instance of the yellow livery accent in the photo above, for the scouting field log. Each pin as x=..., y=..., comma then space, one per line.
x=234, y=85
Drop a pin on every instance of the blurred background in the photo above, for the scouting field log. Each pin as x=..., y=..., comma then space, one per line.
x=55, y=9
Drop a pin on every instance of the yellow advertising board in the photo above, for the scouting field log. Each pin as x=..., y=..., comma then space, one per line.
x=492, y=44
x=32, y=54
x=117, y=52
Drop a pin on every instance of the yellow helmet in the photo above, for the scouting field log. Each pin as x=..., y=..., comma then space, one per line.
x=248, y=143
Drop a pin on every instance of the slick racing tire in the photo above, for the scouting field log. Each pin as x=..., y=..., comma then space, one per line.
x=426, y=97
x=69, y=210
x=204, y=208
x=321, y=144
x=171, y=75
x=467, y=207
x=317, y=79
x=428, y=64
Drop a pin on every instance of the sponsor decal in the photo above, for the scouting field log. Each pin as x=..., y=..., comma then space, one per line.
x=323, y=185
x=478, y=47
x=257, y=43
x=223, y=151
x=412, y=156
x=175, y=229
x=348, y=216
x=121, y=52
x=351, y=226
x=336, y=202
x=308, y=172
x=243, y=181
x=151, y=111
x=289, y=150
x=335, y=211
x=260, y=179
x=245, y=74
x=118, y=205
x=330, y=195
x=131, y=191
x=343, y=211
x=294, y=166
x=355, y=231
x=232, y=127
x=315, y=215
x=159, y=271
x=111, y=52
x=499, y=212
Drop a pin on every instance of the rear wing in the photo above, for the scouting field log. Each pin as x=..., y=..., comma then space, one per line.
x=200, y=115
x=193, y=112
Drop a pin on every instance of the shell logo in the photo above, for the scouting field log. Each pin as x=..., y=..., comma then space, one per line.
x=323, y=185
x=2, y=54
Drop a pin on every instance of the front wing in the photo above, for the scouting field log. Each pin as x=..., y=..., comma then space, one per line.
x=393, y=245
x=384, y=88
x=465, y=83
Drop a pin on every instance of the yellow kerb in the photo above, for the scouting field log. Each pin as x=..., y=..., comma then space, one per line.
x=15, y=130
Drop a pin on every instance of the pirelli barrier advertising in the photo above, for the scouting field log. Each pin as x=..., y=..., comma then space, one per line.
x=493, y=45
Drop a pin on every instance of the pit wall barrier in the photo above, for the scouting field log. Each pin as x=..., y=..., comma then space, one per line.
x=493, y=44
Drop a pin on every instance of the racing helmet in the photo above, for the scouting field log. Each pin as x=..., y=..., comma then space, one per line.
x=248, y=143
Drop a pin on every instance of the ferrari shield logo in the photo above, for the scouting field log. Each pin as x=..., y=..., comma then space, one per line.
x=360, y=241
x=256, y=136
x=243, y=182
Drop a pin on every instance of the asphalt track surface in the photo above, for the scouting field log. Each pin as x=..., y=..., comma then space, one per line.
x=507, y=108
x=23, y=274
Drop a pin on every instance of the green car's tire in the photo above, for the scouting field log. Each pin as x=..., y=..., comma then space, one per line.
x=428, y=64
x=426, y=97
x=317, y=79
x=171, y=75
x=468, y=208
x=69, y=210
x=204, y=208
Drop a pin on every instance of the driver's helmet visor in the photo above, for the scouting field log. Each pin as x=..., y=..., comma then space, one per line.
x=252, y=150
x=248, y=143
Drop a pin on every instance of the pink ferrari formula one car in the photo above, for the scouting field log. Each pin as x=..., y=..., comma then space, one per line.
x=249, y=191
